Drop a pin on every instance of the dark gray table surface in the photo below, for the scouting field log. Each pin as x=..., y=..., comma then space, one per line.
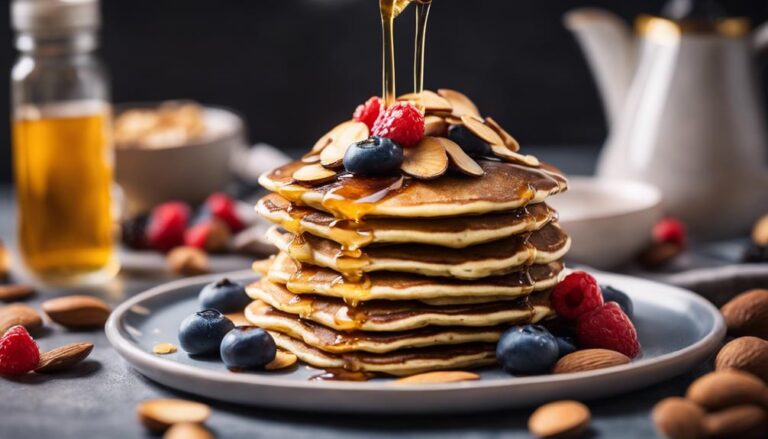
x=97, y=399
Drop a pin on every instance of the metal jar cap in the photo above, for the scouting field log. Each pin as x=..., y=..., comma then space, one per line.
x=53, y=17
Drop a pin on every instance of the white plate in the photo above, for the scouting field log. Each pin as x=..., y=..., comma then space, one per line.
x=677, y=330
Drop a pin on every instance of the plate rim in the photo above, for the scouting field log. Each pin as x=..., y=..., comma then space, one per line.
x=129, y=350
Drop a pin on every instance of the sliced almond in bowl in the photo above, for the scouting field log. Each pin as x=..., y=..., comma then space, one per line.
x=460, y=159
x=435, y=126
x=481, y=130
x=426, y=160
x=333, y=154
x=507, y=154
x=314, y=174
x=509, y=141
x=431, y=101
x=460, y=102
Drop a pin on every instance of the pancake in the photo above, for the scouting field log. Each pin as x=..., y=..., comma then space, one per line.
x=382, y=316
x=402, y=362
x=504, y=187
x=491, y=259
x=329, y=340
x=384, y=285
x=454, y=232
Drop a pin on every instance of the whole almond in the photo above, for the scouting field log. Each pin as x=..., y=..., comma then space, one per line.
x=188, y=430
x=760, y=231
x=63, y=358
x=742, y=421
x=658, y=254
x=727, y=388
x=77, y=312
x=678, y=418
x=188, y=261
x=443, y=376
x=13, y=293
x=559, y=419
x=19, y=314
x=589, y=359
x=749, y=354
x=747, y=314
x=159, y=414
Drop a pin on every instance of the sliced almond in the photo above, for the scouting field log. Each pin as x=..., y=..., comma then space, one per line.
x=282, y=360
x=164, y=348
x=63, y=358
x=460, y=102
x=187, y=430
x=238, y=318
x=481, y=130
x=77, y=311
x=589, y=359
x=435, y=126
x=431, y=101
x=444, y=376
x=426, y=160
x=507, y=154
x=12, y=293
x=314, y=174
x=311, y=158
x=19, y=314
x=159, y=414
x=330, y=136
x=460, y=159
x=509, y=141
x=453, y=120
x=333, y=154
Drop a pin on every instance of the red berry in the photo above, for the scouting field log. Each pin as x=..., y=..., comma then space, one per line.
x=369, y=111
x=167, y=225
x=19, y=353
x=607, y=327
x=225, y=209
x=577, y=294
x=402, y=122
x=197, y=235
x=670, y=230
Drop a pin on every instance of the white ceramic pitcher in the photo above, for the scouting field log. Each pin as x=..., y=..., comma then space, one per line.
x=685, y=113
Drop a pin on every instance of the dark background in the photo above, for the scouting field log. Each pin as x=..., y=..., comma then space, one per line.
x=294, y=68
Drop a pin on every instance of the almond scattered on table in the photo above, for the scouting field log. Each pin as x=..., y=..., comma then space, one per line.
x=678, y=418
x=589, y=359
x=188, y=261
x=77, y=311
x=760, y=231
x=560, y=419
x=282, y=360
x=742, y=421
x=63, y=358
x=727, y=388
x=19, y=314
x=446, y=376
x=164, y=348
x=13, y=293
x=188, y=431
x=747, y=314
x=749, y=354
x=160, y=414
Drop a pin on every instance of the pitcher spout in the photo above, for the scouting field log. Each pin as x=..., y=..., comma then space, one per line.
x=609, y=46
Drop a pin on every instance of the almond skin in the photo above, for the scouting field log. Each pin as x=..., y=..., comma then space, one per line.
x=589, y=359
x=13, y=293
x=747, y=314
x=559, y=420
x=749, y=354
x=727, y=388
x=443, y=376
x=19, y=314
x=743, y=422
x=678, y=418
x=63, y=358
x=159, y=414
x=77, y=312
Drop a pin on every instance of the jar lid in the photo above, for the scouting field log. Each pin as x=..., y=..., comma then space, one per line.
x=55, y=17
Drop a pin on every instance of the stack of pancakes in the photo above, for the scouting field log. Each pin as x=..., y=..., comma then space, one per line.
x=402, y=276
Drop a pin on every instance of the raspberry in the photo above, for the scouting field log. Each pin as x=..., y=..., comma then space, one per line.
x=368, y=112
x=19, y=353
x=402, y=122
x=577, y=294
x=212, y=235
x=670, y=230
x=224, y=208
x=167, y=225
x=607, y=327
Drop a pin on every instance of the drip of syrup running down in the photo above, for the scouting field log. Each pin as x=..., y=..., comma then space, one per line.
x=422, y=15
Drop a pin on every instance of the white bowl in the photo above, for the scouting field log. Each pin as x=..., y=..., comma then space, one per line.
x=188, y=172
x=609, y=221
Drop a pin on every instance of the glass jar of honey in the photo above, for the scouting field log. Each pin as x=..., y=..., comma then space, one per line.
x=61, y=143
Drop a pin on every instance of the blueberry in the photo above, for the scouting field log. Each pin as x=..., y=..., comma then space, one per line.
x=225, y=296
x=527, y=350
x=470, y=143
x=133, y=232
x=201, y=333
x=565, y=345
x=374, y=156
x=611, y=294
x=247, y=347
